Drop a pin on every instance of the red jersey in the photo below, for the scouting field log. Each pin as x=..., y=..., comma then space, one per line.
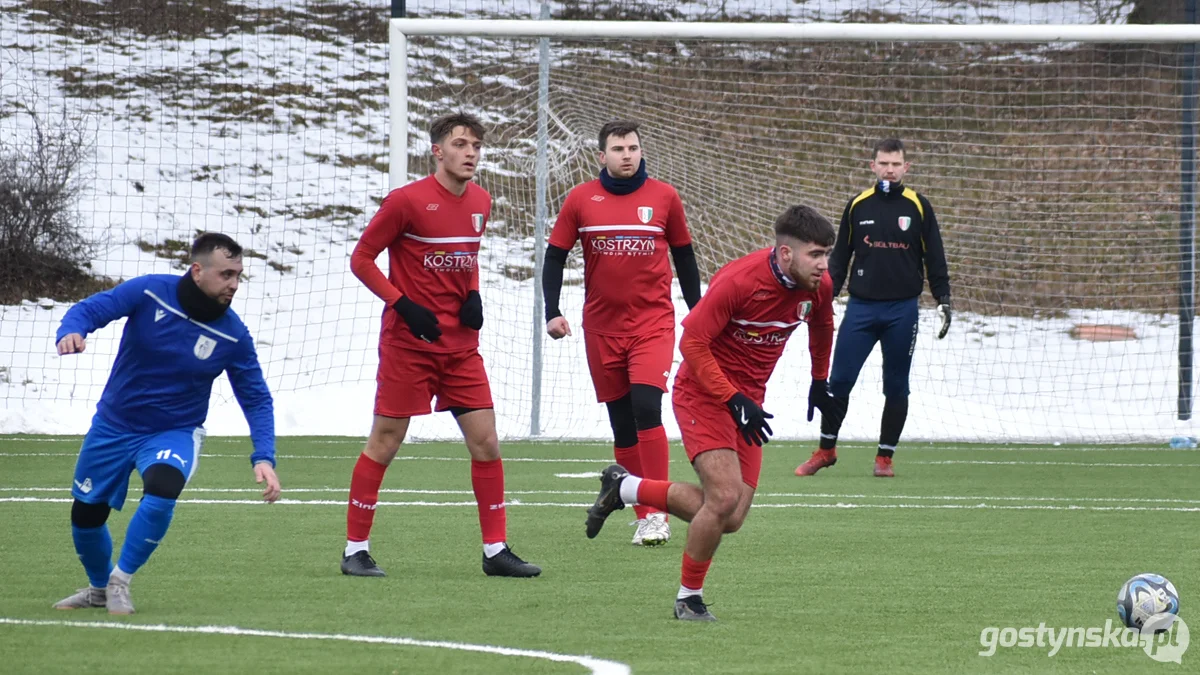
x=734, y=337
x=626, y=274
x=432, y=237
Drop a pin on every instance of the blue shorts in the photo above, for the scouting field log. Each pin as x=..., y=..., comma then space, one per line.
x=108, y=456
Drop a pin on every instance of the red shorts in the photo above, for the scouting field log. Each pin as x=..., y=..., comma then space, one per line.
x=408, y=380
x=706, y=424
x=617, y=362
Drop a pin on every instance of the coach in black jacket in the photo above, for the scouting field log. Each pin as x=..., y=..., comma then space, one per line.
x=892, y=235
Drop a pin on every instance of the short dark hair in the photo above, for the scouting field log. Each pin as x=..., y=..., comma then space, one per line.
x=618, y=128
x=208, y=242
x=888, y=145
x=806, y=225
x=442, y=126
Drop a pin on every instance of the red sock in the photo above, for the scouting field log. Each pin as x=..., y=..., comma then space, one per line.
x=487, y=479
x=694, y=572
x=364, y=494
x=656, y=457
x=653, y=493
x=631, y=459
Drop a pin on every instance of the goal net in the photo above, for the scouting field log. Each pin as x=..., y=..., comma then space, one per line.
x=1054, y=169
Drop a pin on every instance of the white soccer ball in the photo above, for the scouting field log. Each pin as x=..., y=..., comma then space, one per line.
x=1146, y=596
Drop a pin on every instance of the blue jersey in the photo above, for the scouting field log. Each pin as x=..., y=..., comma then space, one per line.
x=163, y=376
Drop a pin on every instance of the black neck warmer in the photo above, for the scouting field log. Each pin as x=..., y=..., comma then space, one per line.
x=624, y=186
x=889, y=189
x=196, y=302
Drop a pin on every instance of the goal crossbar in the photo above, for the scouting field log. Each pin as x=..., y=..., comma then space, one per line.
x=704, y=30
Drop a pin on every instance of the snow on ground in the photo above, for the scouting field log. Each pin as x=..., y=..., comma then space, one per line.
x=925, y=11
x=163, y=169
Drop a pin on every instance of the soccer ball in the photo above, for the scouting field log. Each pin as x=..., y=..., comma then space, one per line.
x=1145, y=596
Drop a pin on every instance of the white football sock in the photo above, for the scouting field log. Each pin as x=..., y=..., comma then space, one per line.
x=353, y=547
x=685, y=592
x=490, y=550
x=120, y=575
x=629, y=488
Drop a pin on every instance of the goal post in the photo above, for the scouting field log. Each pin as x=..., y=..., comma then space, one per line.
x=1009, y=127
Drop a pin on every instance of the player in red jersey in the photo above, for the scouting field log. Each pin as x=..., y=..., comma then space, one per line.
x=731, y=343
x=429, y=342
x=625, y=222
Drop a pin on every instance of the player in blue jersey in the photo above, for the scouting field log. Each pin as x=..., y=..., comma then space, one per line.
x=179, y=336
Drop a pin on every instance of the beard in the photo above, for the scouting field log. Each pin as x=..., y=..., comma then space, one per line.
x=807, y=282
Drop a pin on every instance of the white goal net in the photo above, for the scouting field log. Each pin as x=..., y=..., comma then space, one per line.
x=1054, y=168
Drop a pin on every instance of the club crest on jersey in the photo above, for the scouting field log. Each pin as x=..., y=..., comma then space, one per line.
x=204, y=347
x=904, y=222
x=803, y=310
x=645, y=213
x=477, y=222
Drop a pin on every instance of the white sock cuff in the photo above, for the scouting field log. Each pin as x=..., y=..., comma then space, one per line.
x=353, y=547
x=120, y=575
x=491, y=550
x=685, y=592
x=629, y=489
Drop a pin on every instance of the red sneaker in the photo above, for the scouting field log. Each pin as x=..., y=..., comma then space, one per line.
x=819, y=460
x=883, y=467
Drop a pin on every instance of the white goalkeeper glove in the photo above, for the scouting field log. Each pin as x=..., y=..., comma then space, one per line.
x=943, y=310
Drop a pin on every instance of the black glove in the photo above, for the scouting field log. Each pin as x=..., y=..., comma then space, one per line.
x=818, y=396
x=421, y=321
x=751, y=420
x=471, y=314
x=943, y=309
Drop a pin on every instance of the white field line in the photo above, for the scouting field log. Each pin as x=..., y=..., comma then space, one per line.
x=519, y=503
x=399, y=458
x=597, y=461
x=956, y=447
x=989, y=462
x=344, y=491
x=996, y=507
x=321, y=441
x=976, y=498
x=758, y=495
x=594, y=665
x=948, y=446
